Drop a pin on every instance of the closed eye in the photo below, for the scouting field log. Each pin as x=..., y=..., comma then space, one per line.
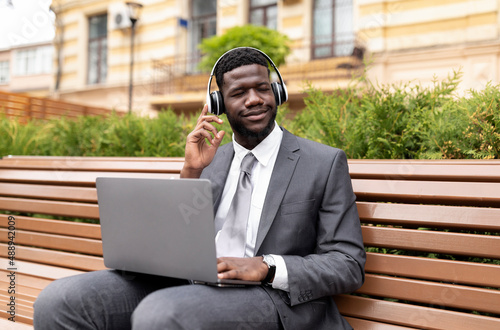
x=238, y=93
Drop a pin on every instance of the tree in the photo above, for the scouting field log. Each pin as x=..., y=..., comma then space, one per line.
x=271, y=42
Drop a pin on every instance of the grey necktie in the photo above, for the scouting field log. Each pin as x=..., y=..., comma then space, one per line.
x=232, y=238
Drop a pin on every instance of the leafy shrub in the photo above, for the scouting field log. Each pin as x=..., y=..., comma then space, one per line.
x=126, y=136
x=470, y=128
x=17, y=139
x=129, y=135
x=404, y=121
x=271, y=42
x=365, y=120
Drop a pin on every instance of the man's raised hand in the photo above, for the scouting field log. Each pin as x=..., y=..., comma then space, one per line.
x=201, y=144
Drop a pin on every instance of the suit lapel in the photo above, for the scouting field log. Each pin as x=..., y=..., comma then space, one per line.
x=282, y=174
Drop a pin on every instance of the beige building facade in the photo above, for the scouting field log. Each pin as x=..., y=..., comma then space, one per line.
x=27, y=69
x=419, y=40
x=410, y=40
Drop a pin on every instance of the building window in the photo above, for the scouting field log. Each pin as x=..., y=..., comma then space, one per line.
x=4, y=72
x=204, y=25
x=333, y=31
x=264, y=13
x=33, y=61
x=98, y=49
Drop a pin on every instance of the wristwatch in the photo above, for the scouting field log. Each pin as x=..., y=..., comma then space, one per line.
x=271, y=268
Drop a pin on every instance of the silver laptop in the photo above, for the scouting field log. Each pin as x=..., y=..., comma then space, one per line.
x=160, y=226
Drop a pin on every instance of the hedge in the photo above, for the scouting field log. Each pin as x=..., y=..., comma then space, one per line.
x=367, y=120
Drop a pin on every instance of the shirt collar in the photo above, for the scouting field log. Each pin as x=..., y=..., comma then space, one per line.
x=265, y=149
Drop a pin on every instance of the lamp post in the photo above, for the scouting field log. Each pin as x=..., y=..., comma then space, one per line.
x=134, y=11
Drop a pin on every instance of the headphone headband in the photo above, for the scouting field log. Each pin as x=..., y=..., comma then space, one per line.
x=217, y=107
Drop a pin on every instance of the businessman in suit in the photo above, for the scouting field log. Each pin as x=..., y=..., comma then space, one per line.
x=302, y=240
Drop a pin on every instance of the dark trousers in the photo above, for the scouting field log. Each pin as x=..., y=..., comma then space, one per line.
x=117, y=300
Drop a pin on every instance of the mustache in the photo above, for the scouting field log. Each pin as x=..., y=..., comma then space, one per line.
x=256, y=111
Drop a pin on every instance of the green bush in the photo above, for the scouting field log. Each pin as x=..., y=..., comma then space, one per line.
x=366, y=120
x=129, y=135
x=271, y=42
x=470, y=127
x=20, y=139
x=125, y=136
x=404, y=121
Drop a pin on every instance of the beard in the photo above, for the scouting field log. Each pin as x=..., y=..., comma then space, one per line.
x=240, y=128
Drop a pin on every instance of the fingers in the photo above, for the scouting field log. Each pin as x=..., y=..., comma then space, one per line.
x=205, y=117
x=204, y=125
x=218, y=138
x=221, y=265
x=214, y=137
x=204, y=111
x=225, y=270
x=240, y=268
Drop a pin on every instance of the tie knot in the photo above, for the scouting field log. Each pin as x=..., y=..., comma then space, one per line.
x=247, y=163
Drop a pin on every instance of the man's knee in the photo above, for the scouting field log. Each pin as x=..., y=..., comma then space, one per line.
x=69, y=302
x=157, y=311
x=203, y=307
x=54, y=301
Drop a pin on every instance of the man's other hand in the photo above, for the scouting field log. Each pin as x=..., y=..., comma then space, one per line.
x=247, y=269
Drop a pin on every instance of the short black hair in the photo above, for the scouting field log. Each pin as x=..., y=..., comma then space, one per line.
x=236, y=58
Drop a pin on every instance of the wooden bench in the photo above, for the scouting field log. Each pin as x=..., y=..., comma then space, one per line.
x=409, y=209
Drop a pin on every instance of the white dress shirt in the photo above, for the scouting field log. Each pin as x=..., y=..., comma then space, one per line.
x=266, y=153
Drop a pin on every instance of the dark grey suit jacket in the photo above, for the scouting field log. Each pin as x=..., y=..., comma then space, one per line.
x=310, y=218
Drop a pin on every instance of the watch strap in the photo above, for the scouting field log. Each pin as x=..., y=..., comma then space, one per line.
x=271, y=269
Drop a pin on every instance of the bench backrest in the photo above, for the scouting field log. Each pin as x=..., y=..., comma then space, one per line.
x=431, y=229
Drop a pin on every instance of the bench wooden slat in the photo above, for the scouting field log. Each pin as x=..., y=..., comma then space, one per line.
x=58, y=242
x=8, y=325
x=360, y=324
x=55, y=258
x=24, y=311
x=412, y=315
x=445, y=162
x=431, y=171
x=474, y=218
x=24, y=292
x=34, y=282
x=452, y=271
x=67, y=209
x=24, y=315
x=43, y=271
x=60, y=227
x=77, y=194
x=96, y=165
x=71, y=177
x=449, y=295
x=485, y=246
x=20, y=301
x=462, y=193
x=71, y=159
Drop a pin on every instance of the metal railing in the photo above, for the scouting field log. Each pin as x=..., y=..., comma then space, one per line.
x=180, y=75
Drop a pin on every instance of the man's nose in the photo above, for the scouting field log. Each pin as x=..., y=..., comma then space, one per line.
x=253, y=98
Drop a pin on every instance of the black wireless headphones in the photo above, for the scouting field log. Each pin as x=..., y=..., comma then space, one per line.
x=216, y=103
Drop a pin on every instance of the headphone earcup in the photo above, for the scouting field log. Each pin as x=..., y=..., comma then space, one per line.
x=216, y=103
x=280, y=94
